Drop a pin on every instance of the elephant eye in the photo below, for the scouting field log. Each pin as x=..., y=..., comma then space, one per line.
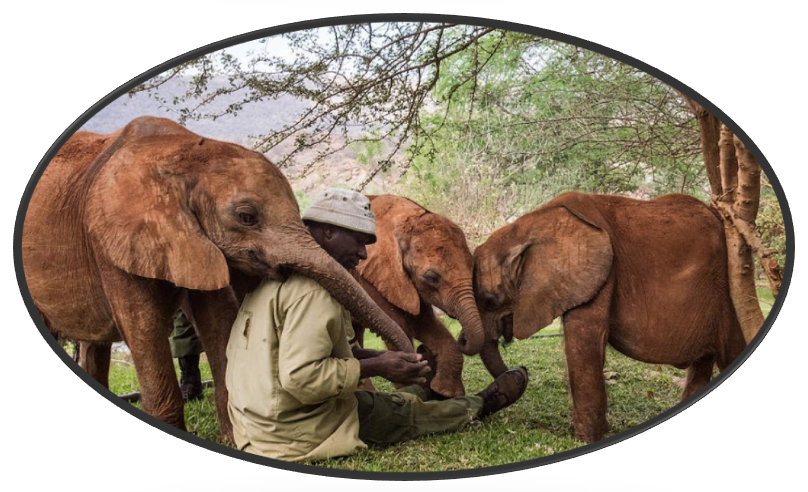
x=247, y=218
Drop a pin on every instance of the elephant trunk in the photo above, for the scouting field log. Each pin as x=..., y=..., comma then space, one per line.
x=304, y=256
x=492, y=358
x=472, y=335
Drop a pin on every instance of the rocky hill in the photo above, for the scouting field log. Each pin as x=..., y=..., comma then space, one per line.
x=257, y=118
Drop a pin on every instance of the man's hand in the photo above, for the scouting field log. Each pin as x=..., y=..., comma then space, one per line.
x=398, y=367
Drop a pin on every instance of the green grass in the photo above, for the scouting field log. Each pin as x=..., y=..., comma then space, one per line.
x=766, y=299
x=539, y=424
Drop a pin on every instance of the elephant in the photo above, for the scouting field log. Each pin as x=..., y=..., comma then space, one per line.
x=123, y=227
x=421, y=260
x=650, y=278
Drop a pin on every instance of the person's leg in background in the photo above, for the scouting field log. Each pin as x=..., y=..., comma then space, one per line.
x=186, y=348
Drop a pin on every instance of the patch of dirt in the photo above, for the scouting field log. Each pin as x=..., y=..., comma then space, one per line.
x=680, y=382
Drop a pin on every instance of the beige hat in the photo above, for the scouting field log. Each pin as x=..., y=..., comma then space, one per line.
x=343, y=208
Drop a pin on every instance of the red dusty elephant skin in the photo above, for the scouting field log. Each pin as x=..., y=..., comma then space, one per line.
x=648, y=277
x=421, y=260
x=121, y=226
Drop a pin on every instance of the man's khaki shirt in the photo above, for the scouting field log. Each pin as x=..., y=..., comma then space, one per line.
x=291, y=375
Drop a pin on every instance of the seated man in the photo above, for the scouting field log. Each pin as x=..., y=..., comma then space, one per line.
x=291, y=374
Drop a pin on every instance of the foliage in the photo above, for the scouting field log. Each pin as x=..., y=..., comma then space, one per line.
x=366, y=75
x=478, y=123
x=769, y=222
x=404, y=79
x=303, y=200
x=542, y=118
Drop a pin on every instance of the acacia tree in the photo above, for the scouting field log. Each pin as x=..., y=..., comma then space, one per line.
x=490, y=110
x=403, y=83
x=735, y=180
x=375, y=76
x=545, y=118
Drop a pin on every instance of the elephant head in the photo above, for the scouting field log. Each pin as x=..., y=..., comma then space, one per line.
x=194, y=208
x=534, y=270
x=422, y=259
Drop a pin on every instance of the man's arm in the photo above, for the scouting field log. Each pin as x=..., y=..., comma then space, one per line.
x=306, y=368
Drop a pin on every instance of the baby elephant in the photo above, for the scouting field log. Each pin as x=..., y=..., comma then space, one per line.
x=648, y=277
x=421, y=260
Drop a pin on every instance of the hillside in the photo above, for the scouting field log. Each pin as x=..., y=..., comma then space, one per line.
x=341, y=169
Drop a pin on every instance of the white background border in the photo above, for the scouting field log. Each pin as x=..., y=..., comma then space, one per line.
x=60, y=59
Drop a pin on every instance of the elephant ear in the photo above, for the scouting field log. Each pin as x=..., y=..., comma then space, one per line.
x=566, y=265
x=384, y=267
x=137, y=216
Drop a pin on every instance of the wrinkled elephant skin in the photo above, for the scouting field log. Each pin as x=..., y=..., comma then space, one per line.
x=421, y=260
x=120, y=226
x=648, y=277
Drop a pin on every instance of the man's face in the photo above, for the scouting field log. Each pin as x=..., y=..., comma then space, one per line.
x=344, y=245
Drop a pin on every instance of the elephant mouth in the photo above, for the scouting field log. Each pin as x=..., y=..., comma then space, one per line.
x=506, y=328
x=251, y=264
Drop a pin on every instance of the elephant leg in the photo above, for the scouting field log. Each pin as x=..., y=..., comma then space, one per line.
x=733, y=346
x=94, y=358
x=492, y=359
x=433, y=334
x=586, y=330
x=214, y=313
x=698, y=374
x=143, y=309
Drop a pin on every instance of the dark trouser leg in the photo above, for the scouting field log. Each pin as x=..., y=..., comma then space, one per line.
x=184, y=340
x=387, y=418
x=186, y=347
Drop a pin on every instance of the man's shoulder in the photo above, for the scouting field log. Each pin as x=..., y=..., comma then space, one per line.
x=296, y=286
x=288, y=292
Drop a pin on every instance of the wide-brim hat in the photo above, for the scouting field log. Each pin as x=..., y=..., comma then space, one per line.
x=343, y=208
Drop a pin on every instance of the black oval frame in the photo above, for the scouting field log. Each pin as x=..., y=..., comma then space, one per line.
x=331, y=472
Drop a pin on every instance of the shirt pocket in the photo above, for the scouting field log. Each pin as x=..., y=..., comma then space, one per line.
x=242, y=325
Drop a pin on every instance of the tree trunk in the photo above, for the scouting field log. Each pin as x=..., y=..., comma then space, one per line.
x=742, y=206
x=741, y=278
x=729, y=165
x=734, y=181
x=741, y=267
x=747, y=203
x=765, y=255
x=747, y=198
x=709, y=131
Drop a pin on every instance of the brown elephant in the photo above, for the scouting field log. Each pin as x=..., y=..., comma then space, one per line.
x=421, y=260
x=647, y=277
x=120, y=227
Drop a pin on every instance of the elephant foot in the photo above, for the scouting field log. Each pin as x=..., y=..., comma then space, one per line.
x=439, y=386
x=590, y=436
x=592, y=430
x=226, y=435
